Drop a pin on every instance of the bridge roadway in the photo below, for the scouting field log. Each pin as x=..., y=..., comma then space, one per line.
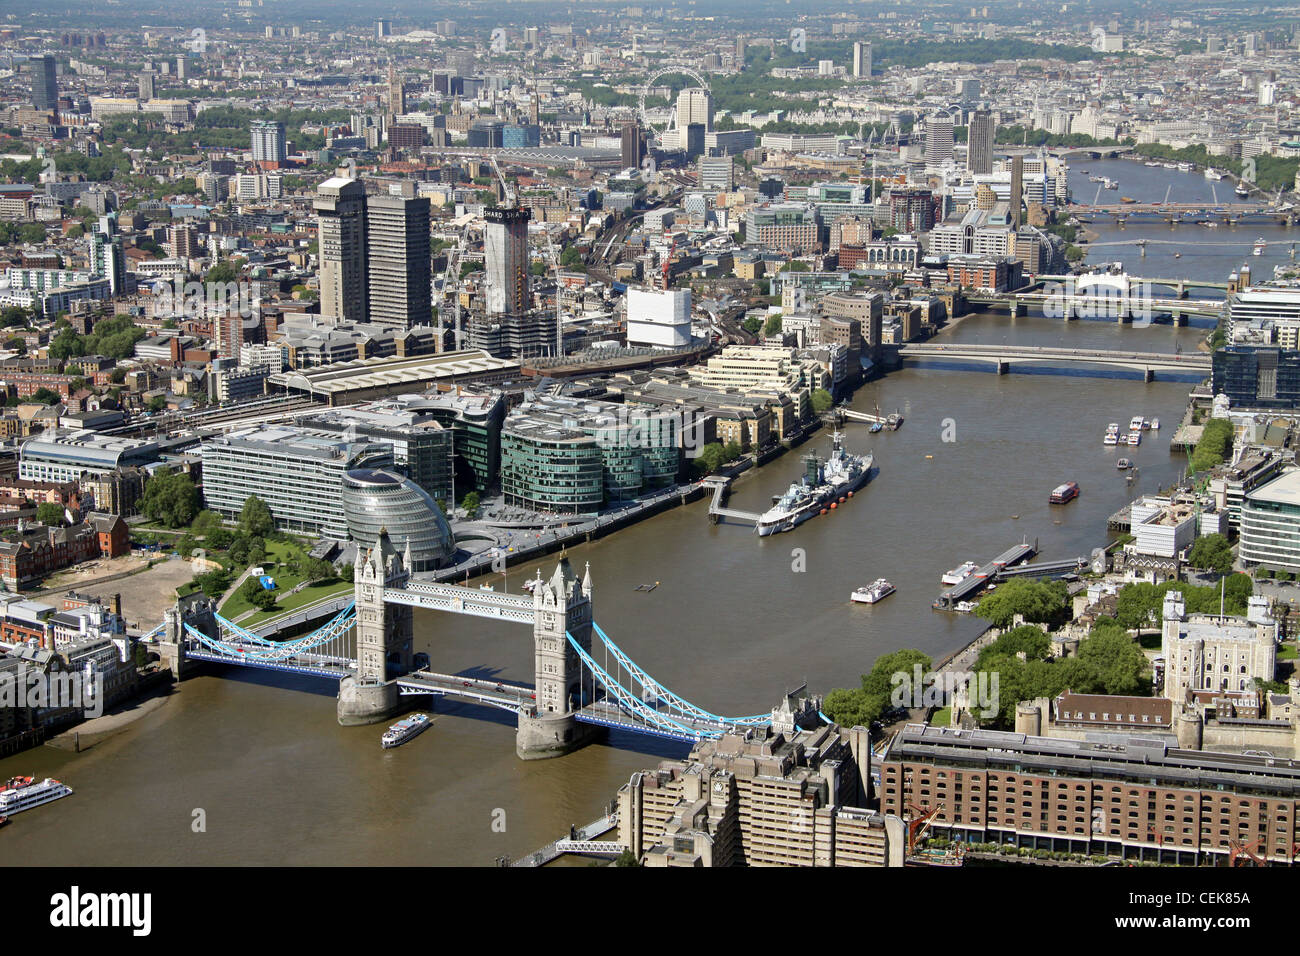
x=1172, y=283
x=305, y=663
x=1116, y=305
x=1150, y=361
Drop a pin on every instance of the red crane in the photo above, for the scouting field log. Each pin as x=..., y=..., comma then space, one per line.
x=1238, y=852
x=918, y=824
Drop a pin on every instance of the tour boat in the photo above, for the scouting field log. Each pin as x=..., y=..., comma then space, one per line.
x=1241, y=191
x=404, y=730
x=959, y=574
x=23, y=793
x=1213, y=174
x=1111, y=438
x=1135, y=423
x=1064, y=493
x=1135, y=438
x=1259, y=247
x=1155, y=424
x=877, y=590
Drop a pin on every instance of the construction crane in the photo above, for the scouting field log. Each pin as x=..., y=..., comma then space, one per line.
x=451, y=286
x=507, y=189
x=918, y=824
x=1239, y=853
x=668, y=264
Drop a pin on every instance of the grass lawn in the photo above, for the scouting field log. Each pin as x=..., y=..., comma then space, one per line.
x=1150, y=642
x=1288, y=651
x=308, y=595
x=277, y=552
x=942, y=717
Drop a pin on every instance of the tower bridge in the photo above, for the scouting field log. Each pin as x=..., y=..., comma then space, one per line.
x=583, y=681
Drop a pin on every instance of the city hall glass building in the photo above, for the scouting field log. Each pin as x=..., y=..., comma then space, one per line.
x=376, y=499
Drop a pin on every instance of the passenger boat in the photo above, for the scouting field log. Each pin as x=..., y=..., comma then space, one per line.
x=1259, y=247
x=1135, y=438
x=24, y=793
x=404, y=730
x=1112, y=438
x=1123, y=464
x=1213, y=174
x=959, y=574
x=1155, y=424
x=1241, y=191
x=1135, y=423
x=1062, y=494
x=877, y=590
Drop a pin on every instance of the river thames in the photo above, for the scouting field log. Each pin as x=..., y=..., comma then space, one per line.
x=732, y=625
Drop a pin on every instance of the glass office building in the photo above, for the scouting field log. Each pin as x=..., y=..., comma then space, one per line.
x=1267, y=378
x=1270, y=524
x=565, y=455
x=376, y=499
x=297, y=472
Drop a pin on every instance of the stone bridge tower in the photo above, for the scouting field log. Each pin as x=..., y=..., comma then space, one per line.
x=562, y=606
x=383, y=635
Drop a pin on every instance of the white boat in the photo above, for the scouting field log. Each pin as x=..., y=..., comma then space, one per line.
x=404, y=730
x=1135, y=438
x=1259, y=247
x=964, y=607
x=24, y=793
x=1155, y=165
x=877, y=590
x=1184, y=167
x=1111, y=438
x=1135, y=424
x=1213, y=174
x=1155, y=424
x=959, y=574
x=820, y=488
x=1123, y=464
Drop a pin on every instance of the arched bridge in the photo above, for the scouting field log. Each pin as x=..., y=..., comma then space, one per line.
x=1001, y=357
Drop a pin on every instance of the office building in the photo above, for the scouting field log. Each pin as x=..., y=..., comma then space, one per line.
x=791, y=228
x=911, y=210
x=398, y=269
x=377, y=500
x=383, y=28
x=938, y=139
x=1017, y=197
x=60, y=455
x=1270, y=524
x=45, y=84
x=1263, y=378
x=979, y=142
x=571, y=456
x=423, y=447
x=268, y=142
x=694, y=106
x=862, y=59
x=297, y=472
x=505, y=251
x=340, y=207
x=659, y=318
x=716, y=173
x=632, y=148
x=1265, y=313
x=1131, y=797
x=146, y=84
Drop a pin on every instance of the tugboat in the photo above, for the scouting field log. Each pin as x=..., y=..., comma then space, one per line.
x=404, y=730
x=877, y=590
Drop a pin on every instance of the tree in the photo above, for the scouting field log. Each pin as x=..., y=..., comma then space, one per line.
x=1117, y=660
x=626, y=858
x=773, y=324
x=222, y=272
x=1211, y=552
x=710, y=459
x=821, y=401
x=1213, y=447
x=157, y=403
x=255, y=518
x=731, y=451
x=470, y=503
x=46, y=397
x=170, y=498
x=50, y=514
x=1038, y=602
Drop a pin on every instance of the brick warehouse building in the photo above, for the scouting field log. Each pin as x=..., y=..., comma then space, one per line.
x=27, y=555
x=1133, y=797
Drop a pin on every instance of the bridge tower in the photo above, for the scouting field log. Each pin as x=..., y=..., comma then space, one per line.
x=561, y=606
x=383, y=635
